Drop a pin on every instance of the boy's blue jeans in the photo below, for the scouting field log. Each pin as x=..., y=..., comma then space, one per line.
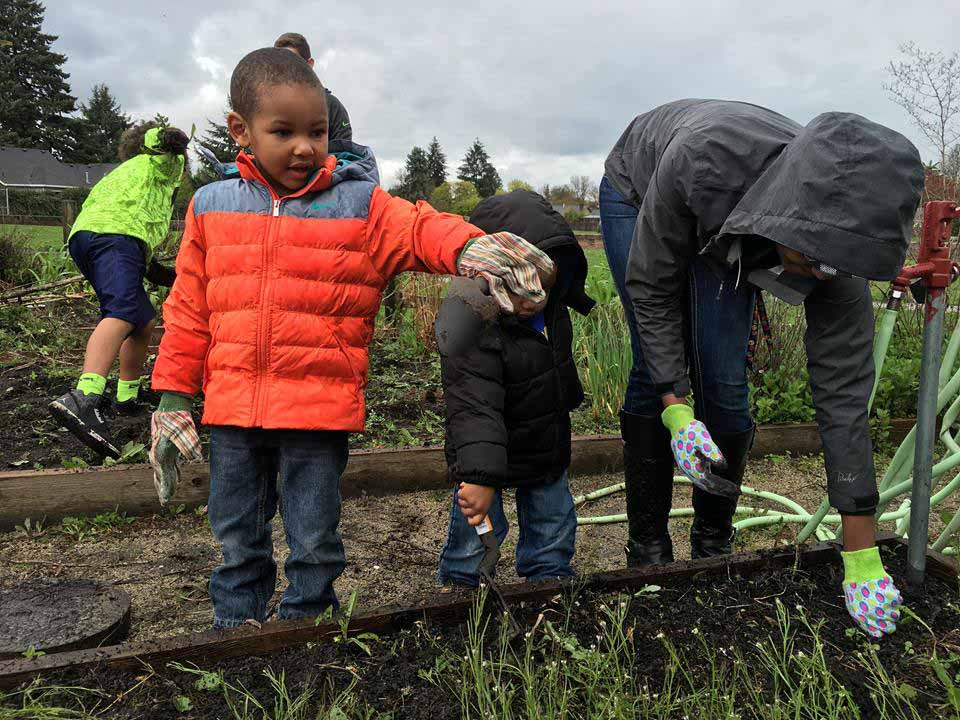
x=548, y=531
x=719, y=320
x=245, y=465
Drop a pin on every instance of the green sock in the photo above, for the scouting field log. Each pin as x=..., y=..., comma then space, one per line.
x=92, y=384
x=127, y=389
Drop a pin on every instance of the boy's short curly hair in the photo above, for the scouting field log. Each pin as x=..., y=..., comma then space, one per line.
x=267, y=67
x=131, y=142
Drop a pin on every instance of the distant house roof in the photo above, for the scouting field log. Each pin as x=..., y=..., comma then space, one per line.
x=20, y=167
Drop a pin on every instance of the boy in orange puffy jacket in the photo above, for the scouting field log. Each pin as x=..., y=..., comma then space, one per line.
x=279, y=278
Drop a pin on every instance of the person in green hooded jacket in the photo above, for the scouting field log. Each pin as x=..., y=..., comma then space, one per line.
x=125, y=218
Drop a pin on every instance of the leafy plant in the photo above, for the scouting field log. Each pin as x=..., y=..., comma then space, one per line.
x=31, y=528
x=131, y=452
x=83, y=527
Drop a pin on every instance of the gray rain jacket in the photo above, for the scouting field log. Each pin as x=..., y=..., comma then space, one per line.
x=722, y=179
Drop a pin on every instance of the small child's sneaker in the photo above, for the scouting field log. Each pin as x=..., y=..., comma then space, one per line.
x=138, y=404
x=133, y=406
x=81, y=415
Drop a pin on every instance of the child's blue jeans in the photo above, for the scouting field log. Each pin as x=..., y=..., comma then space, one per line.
x=548, y=531
x=249, y=468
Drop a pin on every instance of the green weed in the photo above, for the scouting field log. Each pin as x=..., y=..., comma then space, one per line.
x=83, y=527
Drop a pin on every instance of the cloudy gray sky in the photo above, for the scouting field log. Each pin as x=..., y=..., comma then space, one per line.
x=548, y=86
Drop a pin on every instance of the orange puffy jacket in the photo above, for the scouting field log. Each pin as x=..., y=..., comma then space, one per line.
x=275, y=298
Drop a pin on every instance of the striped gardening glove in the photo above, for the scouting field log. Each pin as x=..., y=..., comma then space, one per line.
x=696, y=452
x=173, y=437
x=871, y=597
x=513, y=268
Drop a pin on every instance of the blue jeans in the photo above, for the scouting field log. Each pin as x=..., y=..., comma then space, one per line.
x=718, y=322
x=548, y=533
x=244, y=468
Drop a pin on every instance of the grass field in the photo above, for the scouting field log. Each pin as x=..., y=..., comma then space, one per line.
x=39, y=237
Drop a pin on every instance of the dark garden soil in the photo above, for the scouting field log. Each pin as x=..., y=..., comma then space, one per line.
x=41, y=354
x=731, y=615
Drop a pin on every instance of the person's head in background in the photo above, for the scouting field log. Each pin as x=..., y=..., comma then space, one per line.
x=295, y=42
x=278, y=110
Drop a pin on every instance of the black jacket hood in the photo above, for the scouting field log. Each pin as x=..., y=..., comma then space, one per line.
x=844, y=192
x=529, y=215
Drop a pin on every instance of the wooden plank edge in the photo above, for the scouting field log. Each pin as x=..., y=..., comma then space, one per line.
x=40, y=494
x=216, y=645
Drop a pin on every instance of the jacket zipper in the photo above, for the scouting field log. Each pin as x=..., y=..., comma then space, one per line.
x=263, y=326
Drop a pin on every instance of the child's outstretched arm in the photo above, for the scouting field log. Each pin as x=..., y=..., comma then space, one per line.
x=403, y=236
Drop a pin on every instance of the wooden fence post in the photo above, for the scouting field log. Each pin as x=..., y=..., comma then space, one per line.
x=68, y=215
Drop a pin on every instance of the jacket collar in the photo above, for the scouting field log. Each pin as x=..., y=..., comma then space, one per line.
x=321, y=180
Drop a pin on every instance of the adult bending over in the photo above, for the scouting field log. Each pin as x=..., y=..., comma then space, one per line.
x=703, y=201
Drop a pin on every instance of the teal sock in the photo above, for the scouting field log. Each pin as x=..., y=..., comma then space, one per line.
x=127, y=389
x=92, y=384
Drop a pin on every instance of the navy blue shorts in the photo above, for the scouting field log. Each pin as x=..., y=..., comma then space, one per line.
x=114, y=265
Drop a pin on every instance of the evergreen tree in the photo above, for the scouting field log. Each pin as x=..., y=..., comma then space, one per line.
x=216, y=138
x=99, y=128
x=476, y=168
x=437, y=163
x=35, y=99
x=416, y=181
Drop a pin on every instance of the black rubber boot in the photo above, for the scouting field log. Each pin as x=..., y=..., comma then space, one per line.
x=712, y=532
x=648, y=471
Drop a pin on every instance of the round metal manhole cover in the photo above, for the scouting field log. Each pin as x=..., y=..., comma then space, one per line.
x=51, y=615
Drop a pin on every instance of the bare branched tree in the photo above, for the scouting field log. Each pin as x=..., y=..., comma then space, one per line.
x=584, y=189
x=927, y=85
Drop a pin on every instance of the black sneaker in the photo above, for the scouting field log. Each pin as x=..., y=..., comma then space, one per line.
x=139, y=404
x=81, y=415
x=133, y=406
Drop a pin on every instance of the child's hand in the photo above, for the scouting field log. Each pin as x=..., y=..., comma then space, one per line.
x=474, y=501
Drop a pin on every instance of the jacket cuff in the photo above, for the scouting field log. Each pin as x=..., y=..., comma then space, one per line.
x=862, y=565
x=466, y=246
x=174, y=402
x=680, y=388
x=482, y=463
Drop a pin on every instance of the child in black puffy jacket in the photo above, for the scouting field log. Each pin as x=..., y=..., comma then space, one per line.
x=510, y=383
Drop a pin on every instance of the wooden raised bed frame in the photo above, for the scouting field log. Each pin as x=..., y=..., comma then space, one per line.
x=54, y=494
x=205, y=648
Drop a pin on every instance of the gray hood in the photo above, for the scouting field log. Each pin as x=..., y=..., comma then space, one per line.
x=845, y=192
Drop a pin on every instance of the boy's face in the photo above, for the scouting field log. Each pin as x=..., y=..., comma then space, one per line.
x=287, y=134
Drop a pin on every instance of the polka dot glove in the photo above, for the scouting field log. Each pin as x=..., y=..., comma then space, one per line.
x=871, y=597
x=696, y=451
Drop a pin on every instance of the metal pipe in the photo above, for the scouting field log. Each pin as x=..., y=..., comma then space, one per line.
x=926, y=434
